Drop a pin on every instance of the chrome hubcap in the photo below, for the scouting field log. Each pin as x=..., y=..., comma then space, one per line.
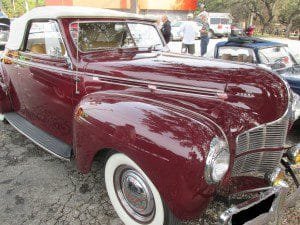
x=134, y=194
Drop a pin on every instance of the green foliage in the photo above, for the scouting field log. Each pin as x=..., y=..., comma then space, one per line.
x=215, y=5
x=265, y=12
x=16, y=8
x=289, y=11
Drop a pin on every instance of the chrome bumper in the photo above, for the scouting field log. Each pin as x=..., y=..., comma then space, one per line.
x=280, y=200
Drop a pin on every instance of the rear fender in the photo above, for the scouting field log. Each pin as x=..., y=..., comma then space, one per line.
x=171, y=148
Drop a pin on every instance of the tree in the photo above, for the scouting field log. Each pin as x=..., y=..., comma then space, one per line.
x=16, y=8
x=264, y=10
x=290, y=15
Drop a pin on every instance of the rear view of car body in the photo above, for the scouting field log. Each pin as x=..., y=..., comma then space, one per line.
x=220, y=23
x=266, y=54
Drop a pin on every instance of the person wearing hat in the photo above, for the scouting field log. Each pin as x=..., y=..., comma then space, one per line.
x=204, y=32
x=188, y=30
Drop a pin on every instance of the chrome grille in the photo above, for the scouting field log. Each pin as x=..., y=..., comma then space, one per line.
x=267, y=137
x=271, y=135
x=258, y=162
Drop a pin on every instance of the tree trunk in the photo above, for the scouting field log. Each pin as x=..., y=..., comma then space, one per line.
x=264, y=28
x=288, y=29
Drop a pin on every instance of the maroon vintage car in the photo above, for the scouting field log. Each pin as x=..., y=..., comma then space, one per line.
x=177, y=130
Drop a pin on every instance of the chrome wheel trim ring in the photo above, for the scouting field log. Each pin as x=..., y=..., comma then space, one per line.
x=134, y=194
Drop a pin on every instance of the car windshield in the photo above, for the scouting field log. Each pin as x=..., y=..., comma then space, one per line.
x=96, y=36
x=276, y=57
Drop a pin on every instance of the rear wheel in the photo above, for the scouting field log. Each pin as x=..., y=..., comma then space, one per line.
x=133, y=195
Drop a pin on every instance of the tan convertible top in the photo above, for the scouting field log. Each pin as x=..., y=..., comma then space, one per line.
x=18, y=26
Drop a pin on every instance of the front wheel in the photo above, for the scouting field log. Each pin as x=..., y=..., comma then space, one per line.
x=133, y=195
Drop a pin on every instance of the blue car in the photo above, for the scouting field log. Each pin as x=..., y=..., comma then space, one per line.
x=267, y=54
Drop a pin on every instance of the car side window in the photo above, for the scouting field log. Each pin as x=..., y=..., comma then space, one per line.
x=44, y=38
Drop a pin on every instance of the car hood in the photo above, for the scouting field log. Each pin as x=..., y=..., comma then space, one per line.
x=235, y=96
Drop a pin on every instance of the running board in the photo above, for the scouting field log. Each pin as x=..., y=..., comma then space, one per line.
x=46, y=141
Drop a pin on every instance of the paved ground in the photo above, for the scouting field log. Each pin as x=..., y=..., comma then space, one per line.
x=36, y=188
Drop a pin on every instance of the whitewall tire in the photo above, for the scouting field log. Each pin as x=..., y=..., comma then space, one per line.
x=133, y=196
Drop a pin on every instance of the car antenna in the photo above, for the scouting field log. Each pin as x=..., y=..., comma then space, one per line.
x=77, y=79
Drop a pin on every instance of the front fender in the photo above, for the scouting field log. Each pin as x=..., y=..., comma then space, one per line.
x=170, y=147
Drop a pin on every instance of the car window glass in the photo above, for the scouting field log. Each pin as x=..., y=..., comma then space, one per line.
x=44, y=38
x=238, y=54
x=145, y=35
x=275, y=55
x=102, y=35
x=94, y=36
x=214, y=20
x=224, y=21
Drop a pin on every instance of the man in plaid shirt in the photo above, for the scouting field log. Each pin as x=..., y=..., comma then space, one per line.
x=204, y=34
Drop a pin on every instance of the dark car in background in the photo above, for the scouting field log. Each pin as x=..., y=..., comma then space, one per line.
x=4, y=30
x=268, y=54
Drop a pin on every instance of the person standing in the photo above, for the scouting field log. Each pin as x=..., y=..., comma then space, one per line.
x=166, y=28
x=204, y=34
x=188, y=30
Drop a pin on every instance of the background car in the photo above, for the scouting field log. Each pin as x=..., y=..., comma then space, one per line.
x=177, y=36
x=236, y=30
x=4, y=32
x=271, y=55
x=220, y=24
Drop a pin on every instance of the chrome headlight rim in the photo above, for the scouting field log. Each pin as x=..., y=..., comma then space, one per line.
x=295, y=105
x=217, y=147
x=295, y=101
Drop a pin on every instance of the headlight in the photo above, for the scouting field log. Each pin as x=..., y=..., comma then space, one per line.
x=217, y=162
x=295, y=105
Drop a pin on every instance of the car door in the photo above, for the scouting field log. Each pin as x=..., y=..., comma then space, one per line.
x=47, y=80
